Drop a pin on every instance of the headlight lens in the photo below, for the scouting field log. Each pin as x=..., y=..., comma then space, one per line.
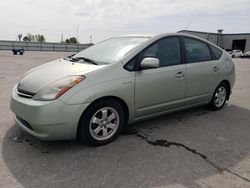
x=57, y=88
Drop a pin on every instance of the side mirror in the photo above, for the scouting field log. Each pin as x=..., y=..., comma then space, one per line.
x=150, y=63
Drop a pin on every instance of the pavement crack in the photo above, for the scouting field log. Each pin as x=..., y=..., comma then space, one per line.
x=166, y=143
x=236, y=174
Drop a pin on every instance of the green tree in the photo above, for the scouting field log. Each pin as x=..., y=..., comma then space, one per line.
x=34, y=38
x=29, y=37
x=71, y=40
x=39, y=38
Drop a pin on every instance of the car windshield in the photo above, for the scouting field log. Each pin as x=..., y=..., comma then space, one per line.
x=110, y=50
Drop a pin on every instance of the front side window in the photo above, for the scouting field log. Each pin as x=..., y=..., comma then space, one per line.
x=167, y=50
x=196, y=51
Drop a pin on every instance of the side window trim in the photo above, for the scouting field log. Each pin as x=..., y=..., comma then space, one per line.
x=183, y=49
x=211, y=52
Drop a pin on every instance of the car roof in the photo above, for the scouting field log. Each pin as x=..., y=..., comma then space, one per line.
x=160, y=35
x=138, y=35
x=150, y=35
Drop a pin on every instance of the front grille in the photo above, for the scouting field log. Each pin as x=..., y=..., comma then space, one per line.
x=25, y=123
x=23, y=93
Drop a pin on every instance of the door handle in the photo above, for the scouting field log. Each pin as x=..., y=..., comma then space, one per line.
x=180, y=75
x=215, y=69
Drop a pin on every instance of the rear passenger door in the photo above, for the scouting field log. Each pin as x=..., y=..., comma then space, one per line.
x=203, y=71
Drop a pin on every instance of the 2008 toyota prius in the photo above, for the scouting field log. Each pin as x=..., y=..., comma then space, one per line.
x=96, y=92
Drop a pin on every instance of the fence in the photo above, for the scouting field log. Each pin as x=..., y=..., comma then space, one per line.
x=42, y=46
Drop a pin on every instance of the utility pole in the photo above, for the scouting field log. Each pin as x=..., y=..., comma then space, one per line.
x=62, y=37
x=77, y=30
x=19, y=37
x=90, y=39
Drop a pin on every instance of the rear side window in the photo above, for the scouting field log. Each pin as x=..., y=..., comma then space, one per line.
x=196, y=51
x=216, y=51
x=167, y=50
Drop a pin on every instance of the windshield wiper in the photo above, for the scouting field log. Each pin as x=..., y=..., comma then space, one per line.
x=75, y=59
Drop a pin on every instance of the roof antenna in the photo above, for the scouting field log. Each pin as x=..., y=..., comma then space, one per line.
x=187, y=25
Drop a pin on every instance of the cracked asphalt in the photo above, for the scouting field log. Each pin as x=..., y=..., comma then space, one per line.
x=191, y=148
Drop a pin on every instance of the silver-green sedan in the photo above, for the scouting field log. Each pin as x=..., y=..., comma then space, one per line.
x=93, y=94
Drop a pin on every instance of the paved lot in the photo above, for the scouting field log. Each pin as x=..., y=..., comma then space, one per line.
x=192, y=148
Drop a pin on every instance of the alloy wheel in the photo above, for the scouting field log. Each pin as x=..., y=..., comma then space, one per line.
x=104, y=123
x=220, y=96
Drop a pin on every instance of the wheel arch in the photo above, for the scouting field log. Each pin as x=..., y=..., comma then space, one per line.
x=228, y=87
x=118, y=99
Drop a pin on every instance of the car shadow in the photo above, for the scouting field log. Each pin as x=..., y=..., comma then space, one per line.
x=177, y=148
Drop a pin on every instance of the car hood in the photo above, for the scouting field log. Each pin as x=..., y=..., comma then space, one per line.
x=44, y=74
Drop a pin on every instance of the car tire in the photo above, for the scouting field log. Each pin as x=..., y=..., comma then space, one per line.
x=101, y=123
x=220, y=97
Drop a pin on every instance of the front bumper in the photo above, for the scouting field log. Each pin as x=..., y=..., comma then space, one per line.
x=46, y=120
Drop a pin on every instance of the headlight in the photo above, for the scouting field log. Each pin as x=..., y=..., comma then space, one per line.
x=57, y=88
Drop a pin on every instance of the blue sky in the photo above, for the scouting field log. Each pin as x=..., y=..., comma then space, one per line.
x=107, y=18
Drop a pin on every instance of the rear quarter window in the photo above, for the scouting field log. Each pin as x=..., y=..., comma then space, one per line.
x=216, y=51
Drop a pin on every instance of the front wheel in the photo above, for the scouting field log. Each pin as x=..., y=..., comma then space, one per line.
x=102, y=122
x=219, y=97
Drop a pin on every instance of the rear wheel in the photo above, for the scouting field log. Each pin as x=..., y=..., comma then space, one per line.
x=219, y=97
x=102, y=122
